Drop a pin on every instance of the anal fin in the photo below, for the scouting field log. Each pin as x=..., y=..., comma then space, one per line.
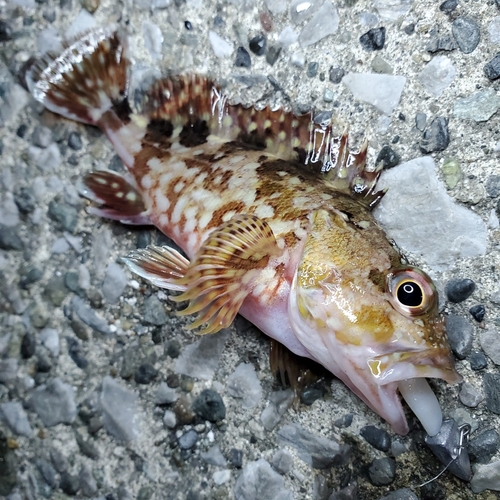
x=221, y=275
x=118, y=198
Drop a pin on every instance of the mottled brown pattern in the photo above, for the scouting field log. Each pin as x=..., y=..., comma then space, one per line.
x=216, y=221
x=159, y=132
x=141, y=159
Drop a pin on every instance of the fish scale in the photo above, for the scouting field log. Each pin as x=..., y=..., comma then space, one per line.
x=273, y=212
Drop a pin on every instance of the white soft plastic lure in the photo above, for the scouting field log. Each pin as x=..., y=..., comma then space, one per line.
x=274, y=214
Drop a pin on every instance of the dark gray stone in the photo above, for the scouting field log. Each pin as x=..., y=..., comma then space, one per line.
x=493, y=185
x=28, y=345
x=242, y=58
x=75, y=141
x=209, y=406
x=24, y=198
x=89, y=316
x=478, y=361
x=478, y=312
x=458, y=290
x=378, y=438
x=467, y=34
x=382, y=471
x=236, y=457
x=436, y=136
x=350, y=492
x=8, y=470
x=56, y=290
x=64, y=215
x=492, y=69
x=388, y=157
x=5, y=31
x=258, y=44
x=9, y=238
x=335, y=74
x=460, y=333
x=420, y=121
x=154, y=311
x=47, y=471
x=491, y=384
x=31, y=276
x=373, y=39
x=484, y=446
x=69, y=484
x=145, y=374
x=312, y=69
x=75, y=353
x=442, y=43
x=188, y=440
x=402, y=494
x=272, y=54
x=448, y=6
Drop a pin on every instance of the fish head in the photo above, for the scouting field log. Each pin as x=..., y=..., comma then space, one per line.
x=367, y=318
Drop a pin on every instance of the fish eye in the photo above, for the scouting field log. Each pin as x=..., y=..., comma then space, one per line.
x=411, y=291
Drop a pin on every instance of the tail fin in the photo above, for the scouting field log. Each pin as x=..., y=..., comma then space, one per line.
x=86, y=80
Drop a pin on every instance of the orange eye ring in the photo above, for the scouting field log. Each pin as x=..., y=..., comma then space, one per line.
x=411, y=291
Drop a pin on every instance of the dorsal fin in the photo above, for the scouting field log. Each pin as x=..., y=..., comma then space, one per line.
x=196, y=107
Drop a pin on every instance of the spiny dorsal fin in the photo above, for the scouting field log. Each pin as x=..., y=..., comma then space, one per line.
x=197, y=107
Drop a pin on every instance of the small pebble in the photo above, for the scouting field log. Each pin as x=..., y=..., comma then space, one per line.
x=75, y=141
x=491, y=385
x=406, y=494
x=75, y=353
x=32, y=276
x=489, y=340
x=452, y=172
x=444, y=43
x=409, y=29
x=467, y=34
x=69, y=484
x=242, y=58
x=470, y=396
x=188, y=25
x=42, y=136
x=258, y=45
x=310, y=394
x=64, y=215
x=478, y=312
x=420, y=121
x=492, y=69
x=373, y=39
x=282, y=461
x=312, y=69
x=25, y=200
x=378, y=438
x=90, y=5
x=460, y=334
x=28, y=345
x=272, y=54
x=328, y=95
x=5, y=31
x=388, y=157
x=458, y=290
x=9, y=239
x=236, y=457
x=22, y=130
x=209, y=406
x=169, y=419
x=335, y=74
x=448, y=6
x=154, y=311
x=493, y=186
x=477, y=361
x=436, y=137
x=382, y=471
x=188, y=440
x=482, y=447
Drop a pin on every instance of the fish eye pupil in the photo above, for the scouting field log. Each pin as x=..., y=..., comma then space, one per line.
x=410, y=294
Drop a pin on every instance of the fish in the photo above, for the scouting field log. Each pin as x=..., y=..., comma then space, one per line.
x=273, y=212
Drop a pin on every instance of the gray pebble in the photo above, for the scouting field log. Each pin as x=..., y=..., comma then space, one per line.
x=209, y=406
x=69, y=484
x=442, y=43
x=9, y=238
x=467, y=34
x=32, y=276
x=373, y=39
x=38, y=314
x=458, y=290
x=489, y=340
x=165, y=395
x=25, y=200
x=482, y=447
x=188, y=440
x=50, y=340
x=436, y=137
x=335, y=74
x=13, y=414
x=460, y=333
x=154, y=311
x=28, y=345
x=491, y=385
x=75, y=141
x=388, y=157
x=378, y=438
x=258, y=44
x=58, y=460
x=328, y=95
x=56, y=290
x=145, y=374
x=169, y=419
x=54, y=403
x=88, y=484
x=382, y=471
x=42, y=136
x=312, y=69
x=47, y=471
x=448, y=6
x=279, y=402
x=493, y=185
x=272, y=54
x=75, y=353
x=242, y=58
x=492, y=69
x=478, y=361
x=236, y=457
x=403, y=494
x=214, y=456
x=115, y=281
x=64, y=215
x=89, y=316
x=282, y=461
x=470, y=396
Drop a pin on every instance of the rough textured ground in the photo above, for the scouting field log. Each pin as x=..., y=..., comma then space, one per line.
x=97, y=379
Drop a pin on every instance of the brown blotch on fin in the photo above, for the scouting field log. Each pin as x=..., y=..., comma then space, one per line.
x=224, y=270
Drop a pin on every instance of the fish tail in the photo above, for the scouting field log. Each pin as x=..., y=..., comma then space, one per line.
x=89, y=78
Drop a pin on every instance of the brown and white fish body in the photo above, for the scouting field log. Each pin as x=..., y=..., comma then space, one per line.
x=297, y=253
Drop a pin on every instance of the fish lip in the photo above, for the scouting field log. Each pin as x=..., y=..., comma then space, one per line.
x=391, y=368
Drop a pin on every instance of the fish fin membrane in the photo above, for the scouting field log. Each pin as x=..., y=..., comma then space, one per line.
x=118, y=198
x=160, y=265
x=87, y=79
x=224, y=271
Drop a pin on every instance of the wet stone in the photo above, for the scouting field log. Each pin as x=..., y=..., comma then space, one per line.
x=312, y=69
x=154, y=311
x=272, y=54
x=373, y=39
x=478, y=361
x=436, y=136
x=55, y=403
x=491, y=385
x=467, y=34
x=69, y=484
x=344, y=421
x=492, y=68
x=188, y=440
x=335, y=74
x=378, y=438
x=258, y=44
x=493, y=186
x=388, y=157
x=145, y=374
x=460, y=334
x=28, y=345
x=311, y=394
x=24, y=198
x=64, y=215
x=22, y=131
x=236, y=457
x=209, y=406
x=470, y=396
x=242, y=58
x=9, y=238
x=478, y=312
x=458, y=290
x=482, y=447
x=448, y=6
x=382, y=471
x=75, y=141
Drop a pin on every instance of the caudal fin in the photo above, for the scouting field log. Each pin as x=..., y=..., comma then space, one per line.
x=86, y=80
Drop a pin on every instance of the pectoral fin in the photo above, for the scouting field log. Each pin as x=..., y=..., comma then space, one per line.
x=221, y=275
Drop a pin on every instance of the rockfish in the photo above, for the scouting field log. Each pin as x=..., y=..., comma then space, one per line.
x=274, y=214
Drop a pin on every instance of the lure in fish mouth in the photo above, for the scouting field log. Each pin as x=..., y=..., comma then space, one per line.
x=274, y=214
